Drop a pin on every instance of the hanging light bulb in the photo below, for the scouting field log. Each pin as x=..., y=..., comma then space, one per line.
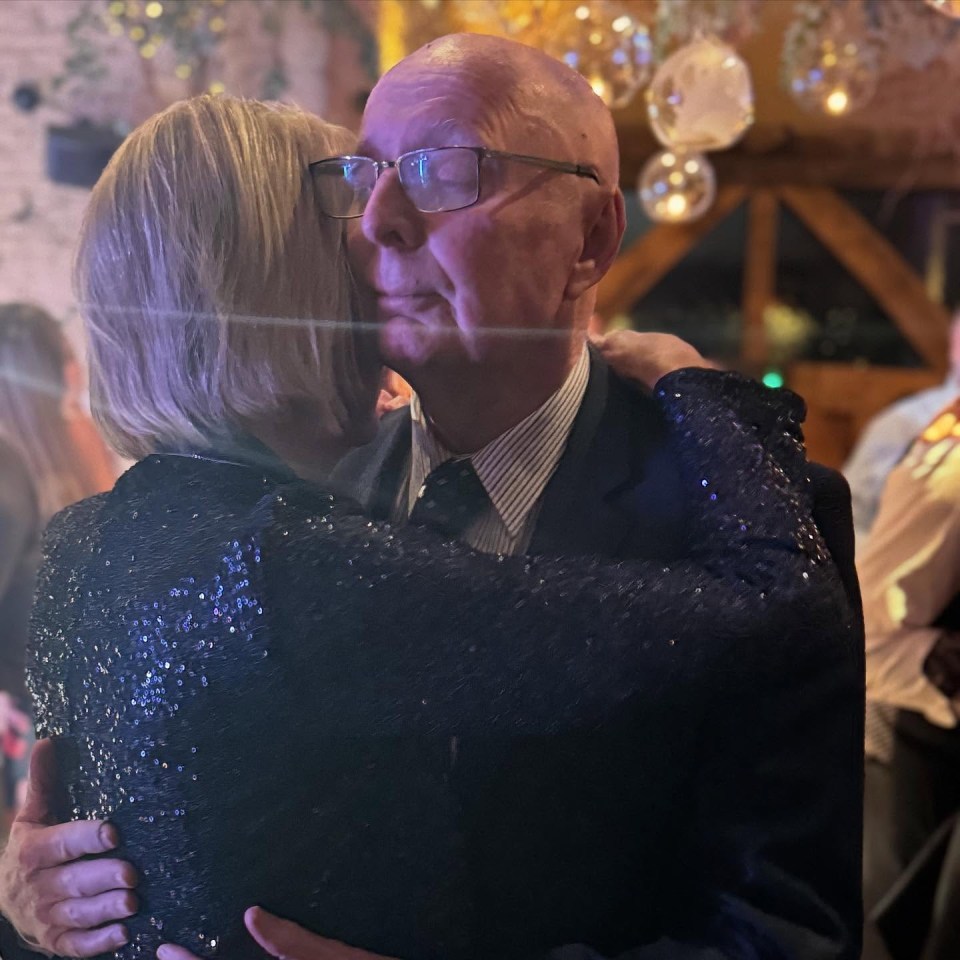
x=606, y=45
x=949, y=8
x=701, y=97
x=921, y=38
x=831, y=67
x=677, y=186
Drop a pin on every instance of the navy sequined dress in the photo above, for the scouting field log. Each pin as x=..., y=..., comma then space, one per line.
x=265, y=691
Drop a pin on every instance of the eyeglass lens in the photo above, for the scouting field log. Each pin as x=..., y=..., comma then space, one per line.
x=435, y=180
x=439, y=180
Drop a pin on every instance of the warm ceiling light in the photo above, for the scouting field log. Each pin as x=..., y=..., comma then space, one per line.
x=838, y=102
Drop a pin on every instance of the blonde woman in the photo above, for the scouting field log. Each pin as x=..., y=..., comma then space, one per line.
x=48, y=459
x=265, y=692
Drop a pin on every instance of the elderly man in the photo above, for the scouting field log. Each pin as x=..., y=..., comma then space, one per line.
x=486, y=194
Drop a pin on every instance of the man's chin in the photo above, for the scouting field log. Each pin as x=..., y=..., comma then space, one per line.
x=406, y=343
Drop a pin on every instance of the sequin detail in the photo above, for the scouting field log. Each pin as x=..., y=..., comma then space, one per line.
x=115, y=729
x=262, y=688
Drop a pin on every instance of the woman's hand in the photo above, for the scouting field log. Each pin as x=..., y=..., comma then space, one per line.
x=282, y=939
x=646, y=357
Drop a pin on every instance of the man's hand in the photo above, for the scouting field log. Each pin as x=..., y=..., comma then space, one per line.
x=284, y=940
x=646, y=357
x=56, y=900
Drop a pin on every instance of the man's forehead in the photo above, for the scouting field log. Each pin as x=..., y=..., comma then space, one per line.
x=440, y=122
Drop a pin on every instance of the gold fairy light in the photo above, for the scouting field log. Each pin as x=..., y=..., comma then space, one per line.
x=677, y=187
x=604, y=44
x=831, y=62
x=838, y=102
x=154, y=9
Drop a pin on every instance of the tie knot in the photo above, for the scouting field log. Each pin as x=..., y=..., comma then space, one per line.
x=451, y=498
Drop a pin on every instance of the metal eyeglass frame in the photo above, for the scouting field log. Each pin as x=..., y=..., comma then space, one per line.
x=482, y=153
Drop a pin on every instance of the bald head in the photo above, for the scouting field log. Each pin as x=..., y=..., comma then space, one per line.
x=486, y=243
x=534, y=98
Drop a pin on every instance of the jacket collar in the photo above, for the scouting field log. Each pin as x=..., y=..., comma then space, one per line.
x=581, y=509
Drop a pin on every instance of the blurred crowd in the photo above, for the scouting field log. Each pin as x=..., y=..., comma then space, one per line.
x=50, y=456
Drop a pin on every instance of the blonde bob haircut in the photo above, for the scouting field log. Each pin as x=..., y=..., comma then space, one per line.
x=213, y=291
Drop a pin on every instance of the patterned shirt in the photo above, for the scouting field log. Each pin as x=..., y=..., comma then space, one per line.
x=883, y=443
x=910, y=572
x=514, y=469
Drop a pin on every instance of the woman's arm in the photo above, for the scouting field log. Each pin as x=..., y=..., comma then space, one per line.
x=447, y=639
x=53, y=890
x=488, y=635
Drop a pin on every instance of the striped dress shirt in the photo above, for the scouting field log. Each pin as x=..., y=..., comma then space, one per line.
x=514, y=468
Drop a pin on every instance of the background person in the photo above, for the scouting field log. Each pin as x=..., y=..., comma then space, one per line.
x=50, y=456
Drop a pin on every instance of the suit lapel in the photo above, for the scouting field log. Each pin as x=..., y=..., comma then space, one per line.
x=616, y=490
x=580, y=510
x=374, y=473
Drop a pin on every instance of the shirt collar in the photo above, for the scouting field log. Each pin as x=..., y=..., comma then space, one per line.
x=515, y=467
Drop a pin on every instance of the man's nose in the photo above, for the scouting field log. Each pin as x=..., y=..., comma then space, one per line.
x=390, y=219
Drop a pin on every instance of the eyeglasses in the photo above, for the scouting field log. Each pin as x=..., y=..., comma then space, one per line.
x=435, y=179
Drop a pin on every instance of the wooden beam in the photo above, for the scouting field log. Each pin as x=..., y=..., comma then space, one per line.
x=841, y=172
x=853, y=172
x=877, y=265
x=842, y=397
x=638, y=269
x=759, y=275
x=851, y=161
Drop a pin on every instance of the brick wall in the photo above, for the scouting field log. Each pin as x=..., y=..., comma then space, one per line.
x=39, y=219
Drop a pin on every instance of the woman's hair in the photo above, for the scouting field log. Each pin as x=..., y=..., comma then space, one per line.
x=213, y=289
x=33, y=359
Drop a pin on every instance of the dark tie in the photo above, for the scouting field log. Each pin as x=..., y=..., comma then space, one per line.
x=451, y=498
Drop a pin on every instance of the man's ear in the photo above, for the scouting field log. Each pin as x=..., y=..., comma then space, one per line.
x=599, y=249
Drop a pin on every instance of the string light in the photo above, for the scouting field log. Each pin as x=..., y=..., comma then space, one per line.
x=838, y=102
x=193, y=28
x=677, y=187
x=604, y=44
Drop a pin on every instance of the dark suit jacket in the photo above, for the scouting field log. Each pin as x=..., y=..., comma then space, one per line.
x=631, y=842
x=615, y=491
